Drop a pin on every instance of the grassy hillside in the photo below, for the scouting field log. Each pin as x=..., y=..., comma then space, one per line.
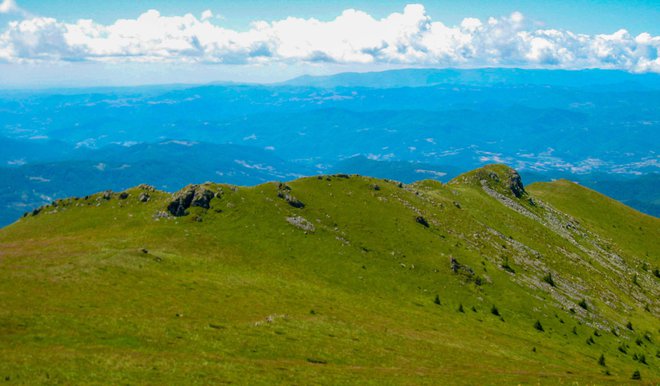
x=333, y=279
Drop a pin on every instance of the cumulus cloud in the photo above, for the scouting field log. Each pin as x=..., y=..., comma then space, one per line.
x=410, y=37
x=9, y=6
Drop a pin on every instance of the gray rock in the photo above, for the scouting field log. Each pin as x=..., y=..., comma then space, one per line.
x=144, y=197
x=302, y=223
x=190, y=196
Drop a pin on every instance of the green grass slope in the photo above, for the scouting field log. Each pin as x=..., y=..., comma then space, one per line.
x=333, y=279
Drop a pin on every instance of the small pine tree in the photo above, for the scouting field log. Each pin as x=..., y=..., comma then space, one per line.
x=460, y=308
x=601, y=360
x=629, y=326
x=636, y=375
x=583, y=304
x=548, y=279
x=437, y=300
x=590, y=341
x=575, y=330
x=474, y=309
x=494, y=310
x=538, y=326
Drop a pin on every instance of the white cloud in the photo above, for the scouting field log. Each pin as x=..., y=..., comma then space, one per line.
x=410, y=37
x=9, y=6
x=206, y=15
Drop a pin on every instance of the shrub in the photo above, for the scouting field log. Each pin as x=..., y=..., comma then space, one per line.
x=494, y=310
x=636, y=375
x=548, y=279
x=583, y=304
x=629, y=326
x=474, y=309
x=460, y=308
x=623, y=348
x=506, y=266
x=437, y=300
x=601, y=360
x=590, y=341
x=538, y=326
x=575, y=330
x=596, y=333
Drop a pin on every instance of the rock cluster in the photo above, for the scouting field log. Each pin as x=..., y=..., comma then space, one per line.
x=190, y=196
x=302, y=223
x=284, y=192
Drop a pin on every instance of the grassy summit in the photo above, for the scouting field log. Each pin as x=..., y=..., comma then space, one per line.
x=333, y=279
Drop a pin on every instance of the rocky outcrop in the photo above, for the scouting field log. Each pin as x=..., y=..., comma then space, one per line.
x=499, y=178
x=190, y=196
x=302, y=223
x=284, y=192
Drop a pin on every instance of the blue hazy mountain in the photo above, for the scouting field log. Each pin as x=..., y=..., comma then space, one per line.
x=596, y=127
x=482, y=77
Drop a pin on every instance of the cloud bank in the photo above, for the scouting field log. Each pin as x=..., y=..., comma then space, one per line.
x=410, y=38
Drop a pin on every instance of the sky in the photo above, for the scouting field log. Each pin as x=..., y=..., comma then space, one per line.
x=130, y=42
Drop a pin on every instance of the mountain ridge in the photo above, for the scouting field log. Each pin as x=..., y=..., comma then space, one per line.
x=333, y=279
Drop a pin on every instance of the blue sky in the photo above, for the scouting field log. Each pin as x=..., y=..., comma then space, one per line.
x=45, y=43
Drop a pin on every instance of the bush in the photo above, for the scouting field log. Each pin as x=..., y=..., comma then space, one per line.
x=538, y=326
x=636, y=375
x=494, y=310
x=583, y=304
x=548, y=279
x=601, y=360
x=623, y=348
x=437, y=300
x=590, y=341
x=596, y=333
x=506, y=266
x=460, y=308
x=629, y=326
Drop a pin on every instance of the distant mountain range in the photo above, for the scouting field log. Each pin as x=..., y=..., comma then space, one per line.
x=483, y=77
x=596, y=127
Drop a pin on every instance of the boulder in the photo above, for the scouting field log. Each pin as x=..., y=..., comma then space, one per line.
x=144, y=197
